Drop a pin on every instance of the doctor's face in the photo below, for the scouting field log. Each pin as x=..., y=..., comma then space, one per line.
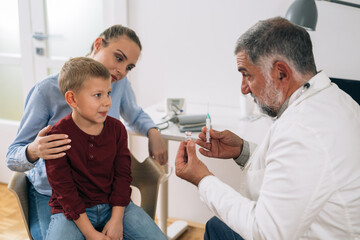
x=261, y=86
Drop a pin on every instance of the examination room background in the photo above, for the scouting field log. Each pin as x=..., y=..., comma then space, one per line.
x=188, y=51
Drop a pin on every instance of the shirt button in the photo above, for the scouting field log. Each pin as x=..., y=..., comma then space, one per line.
x=91, y=156
x=91, y=145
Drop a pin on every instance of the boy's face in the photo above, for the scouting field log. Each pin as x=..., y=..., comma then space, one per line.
x=92, y=101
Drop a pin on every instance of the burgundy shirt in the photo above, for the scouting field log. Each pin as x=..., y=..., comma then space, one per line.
x=95, y=170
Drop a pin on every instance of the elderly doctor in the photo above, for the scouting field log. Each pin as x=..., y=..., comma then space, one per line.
x=303, y=181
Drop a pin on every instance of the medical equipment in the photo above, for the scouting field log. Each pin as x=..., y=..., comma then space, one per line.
x=208, y=128
x=188, y=135
x=175, y=106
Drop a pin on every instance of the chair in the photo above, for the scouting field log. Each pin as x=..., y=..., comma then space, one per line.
x=351, y=87
x=19, y=186
x=146, y=177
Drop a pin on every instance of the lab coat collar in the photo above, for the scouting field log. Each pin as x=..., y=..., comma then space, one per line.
x=317, y=83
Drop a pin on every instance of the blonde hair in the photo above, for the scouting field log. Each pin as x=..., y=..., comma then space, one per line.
x=77, y=70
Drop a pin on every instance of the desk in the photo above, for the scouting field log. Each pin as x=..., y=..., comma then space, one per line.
x=222, y=117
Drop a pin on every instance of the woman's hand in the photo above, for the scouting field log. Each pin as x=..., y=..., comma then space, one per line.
x=47, y=147
x=223, y=144
x=157, y=146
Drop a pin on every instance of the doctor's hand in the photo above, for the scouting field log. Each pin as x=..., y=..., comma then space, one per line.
x=157, y=146
x=47, y=147
x=187, y=164
x=223, y=144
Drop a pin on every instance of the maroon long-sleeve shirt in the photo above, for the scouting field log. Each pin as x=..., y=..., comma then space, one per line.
x=95, y=170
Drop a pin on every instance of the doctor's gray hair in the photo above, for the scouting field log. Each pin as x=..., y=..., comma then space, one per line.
x=277, y=37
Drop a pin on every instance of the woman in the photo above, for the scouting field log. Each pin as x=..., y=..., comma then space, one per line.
x=118, y=48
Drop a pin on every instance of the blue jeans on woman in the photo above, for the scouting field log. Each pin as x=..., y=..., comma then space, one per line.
x=137, y=224
x=215, y=229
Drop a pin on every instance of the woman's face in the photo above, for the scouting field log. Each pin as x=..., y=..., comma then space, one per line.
x=119, y=56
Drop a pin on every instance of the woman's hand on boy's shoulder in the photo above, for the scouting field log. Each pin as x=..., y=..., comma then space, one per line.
x=47, y=146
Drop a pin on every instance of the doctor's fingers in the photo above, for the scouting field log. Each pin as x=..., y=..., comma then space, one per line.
x=191, y=151
x=181, y=151
x=213, y=133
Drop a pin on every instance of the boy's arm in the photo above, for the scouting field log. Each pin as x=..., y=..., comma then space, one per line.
x=121, y=191
x=64, y=190
x=114, y=227
x=87, y=229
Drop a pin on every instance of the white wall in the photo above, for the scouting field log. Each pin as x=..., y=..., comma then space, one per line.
x=8, y=131
x=188, y=51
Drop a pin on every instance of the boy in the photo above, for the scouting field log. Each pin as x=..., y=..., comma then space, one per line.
x=91, y=181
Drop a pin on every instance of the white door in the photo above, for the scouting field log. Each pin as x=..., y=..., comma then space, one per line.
x=36, y=38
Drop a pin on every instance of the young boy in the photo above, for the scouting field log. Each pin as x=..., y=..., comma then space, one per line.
x=91, y=182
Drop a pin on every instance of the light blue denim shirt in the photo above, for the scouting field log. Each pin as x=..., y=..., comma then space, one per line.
x=45, y=105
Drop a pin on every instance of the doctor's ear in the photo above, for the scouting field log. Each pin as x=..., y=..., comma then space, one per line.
x=70, y=98
x=282, y=71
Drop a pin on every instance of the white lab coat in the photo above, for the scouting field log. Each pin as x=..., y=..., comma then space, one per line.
x=303, y=181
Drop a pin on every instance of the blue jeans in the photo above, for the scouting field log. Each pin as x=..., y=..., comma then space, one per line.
x=215, y=229
x=39, y=213
x=136, y=223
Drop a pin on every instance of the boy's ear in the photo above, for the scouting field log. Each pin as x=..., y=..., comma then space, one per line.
x=70, y=99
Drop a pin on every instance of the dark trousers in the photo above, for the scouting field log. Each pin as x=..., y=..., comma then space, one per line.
x=215, y=229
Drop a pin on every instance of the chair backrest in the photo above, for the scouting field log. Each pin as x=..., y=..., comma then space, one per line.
x=19, y=186
x=146, y=177
x=351, y=87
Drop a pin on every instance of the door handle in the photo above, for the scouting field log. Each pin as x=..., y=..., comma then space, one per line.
x=40, y=36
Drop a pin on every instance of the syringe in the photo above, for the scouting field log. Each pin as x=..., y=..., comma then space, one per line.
x=208, y=128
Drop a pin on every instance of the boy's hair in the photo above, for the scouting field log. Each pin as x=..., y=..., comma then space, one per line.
x=76, y=70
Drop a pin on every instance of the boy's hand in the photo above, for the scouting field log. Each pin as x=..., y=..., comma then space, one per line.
x=98, y=236
x=114, y=229
x=87, y=229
